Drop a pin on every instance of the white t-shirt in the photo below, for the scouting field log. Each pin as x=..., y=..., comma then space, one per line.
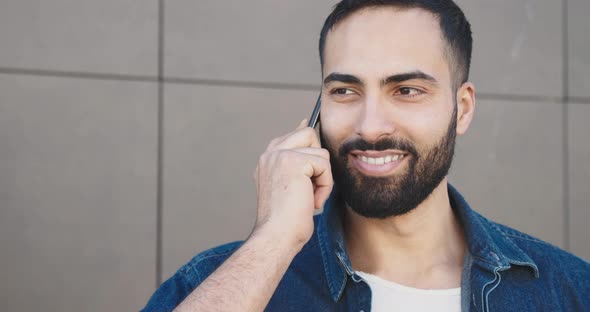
x=389, y=296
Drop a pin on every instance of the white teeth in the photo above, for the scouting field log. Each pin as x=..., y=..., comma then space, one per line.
x=381, y=160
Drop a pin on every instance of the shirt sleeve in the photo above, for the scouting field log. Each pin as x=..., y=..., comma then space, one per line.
x=173, y=291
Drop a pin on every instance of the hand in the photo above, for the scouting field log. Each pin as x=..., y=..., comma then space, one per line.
x=293, y=176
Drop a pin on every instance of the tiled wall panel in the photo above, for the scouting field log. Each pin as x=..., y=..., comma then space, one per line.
x=106, y=36
x=78, y=194
x=510, y=166
x=579, y=178
x=517, y=46
x=261, y=41
x=579, y=48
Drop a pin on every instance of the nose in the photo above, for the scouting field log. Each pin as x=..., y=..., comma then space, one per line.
x=374, y=121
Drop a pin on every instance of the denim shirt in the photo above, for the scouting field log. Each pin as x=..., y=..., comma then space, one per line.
x=504, y=270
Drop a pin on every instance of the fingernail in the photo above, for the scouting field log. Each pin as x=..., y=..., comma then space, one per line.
x=303, y=121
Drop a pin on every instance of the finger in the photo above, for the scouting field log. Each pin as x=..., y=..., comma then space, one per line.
x=305, y=137
x=273, y=143
x=319, y=170
x=321, y=152
x=321, y=194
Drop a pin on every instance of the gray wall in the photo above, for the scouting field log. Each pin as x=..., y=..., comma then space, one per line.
x=129, y=130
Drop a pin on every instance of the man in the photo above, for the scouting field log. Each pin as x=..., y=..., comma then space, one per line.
x=394, y=236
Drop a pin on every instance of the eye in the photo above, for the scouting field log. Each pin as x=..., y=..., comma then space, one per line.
x=409, y=91
x=342, y=91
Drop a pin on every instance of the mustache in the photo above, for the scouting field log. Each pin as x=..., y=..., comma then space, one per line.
x=380, y=145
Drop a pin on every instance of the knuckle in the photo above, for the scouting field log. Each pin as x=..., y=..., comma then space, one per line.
x=283, y=156
x=263, y=159
x=272, y=157
x=272, y=143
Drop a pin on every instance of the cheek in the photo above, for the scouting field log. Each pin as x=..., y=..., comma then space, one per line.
x=337, y=123
x=421, y=124
x=424, y=127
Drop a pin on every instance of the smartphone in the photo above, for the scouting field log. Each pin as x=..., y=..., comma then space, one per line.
x=315, y=116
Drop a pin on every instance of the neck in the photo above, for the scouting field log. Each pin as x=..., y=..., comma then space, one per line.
x=422, y=248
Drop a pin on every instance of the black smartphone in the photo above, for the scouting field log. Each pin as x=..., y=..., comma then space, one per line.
x=315, y=116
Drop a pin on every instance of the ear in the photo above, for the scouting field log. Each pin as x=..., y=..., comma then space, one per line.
x=465, y=106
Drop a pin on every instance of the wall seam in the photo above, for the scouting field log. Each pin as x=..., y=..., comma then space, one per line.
x=77, y=74
x=159, y=78
x=160, y=155
x=565, y=103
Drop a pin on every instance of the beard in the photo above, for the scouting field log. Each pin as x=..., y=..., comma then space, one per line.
x=382, y=197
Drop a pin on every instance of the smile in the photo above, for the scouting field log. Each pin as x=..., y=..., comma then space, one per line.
x=377, y=163
x=381, y=160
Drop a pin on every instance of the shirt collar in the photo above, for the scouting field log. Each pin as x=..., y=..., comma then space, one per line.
x=486, y=243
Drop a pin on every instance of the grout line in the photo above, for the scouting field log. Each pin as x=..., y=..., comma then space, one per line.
x=246, y=84
x=160, y=157
x=74, y=74
x=519, y=98
x=577, y=99
x=254, y=84
x=566, y=166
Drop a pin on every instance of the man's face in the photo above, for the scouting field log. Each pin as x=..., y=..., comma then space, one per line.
x=388, y=109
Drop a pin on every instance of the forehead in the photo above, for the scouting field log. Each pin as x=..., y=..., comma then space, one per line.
x=386, y=40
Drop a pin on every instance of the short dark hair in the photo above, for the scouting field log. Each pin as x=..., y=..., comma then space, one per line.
x=454, y=26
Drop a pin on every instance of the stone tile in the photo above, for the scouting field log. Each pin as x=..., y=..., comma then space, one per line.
x=517, y=47
x=78, y=194
x=213, y=138
x=579, y=48
x=579, y=178
x=108, y=36
x=509, y=166
x=245, y=40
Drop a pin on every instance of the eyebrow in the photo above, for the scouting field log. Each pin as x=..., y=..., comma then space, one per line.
x=397, y=78
x=346, y=78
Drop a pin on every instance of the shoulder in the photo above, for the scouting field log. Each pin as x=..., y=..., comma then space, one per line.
x=188, y=277
x=537, y=247
x=552, y=260
x=205, y=262
x=171, y=293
